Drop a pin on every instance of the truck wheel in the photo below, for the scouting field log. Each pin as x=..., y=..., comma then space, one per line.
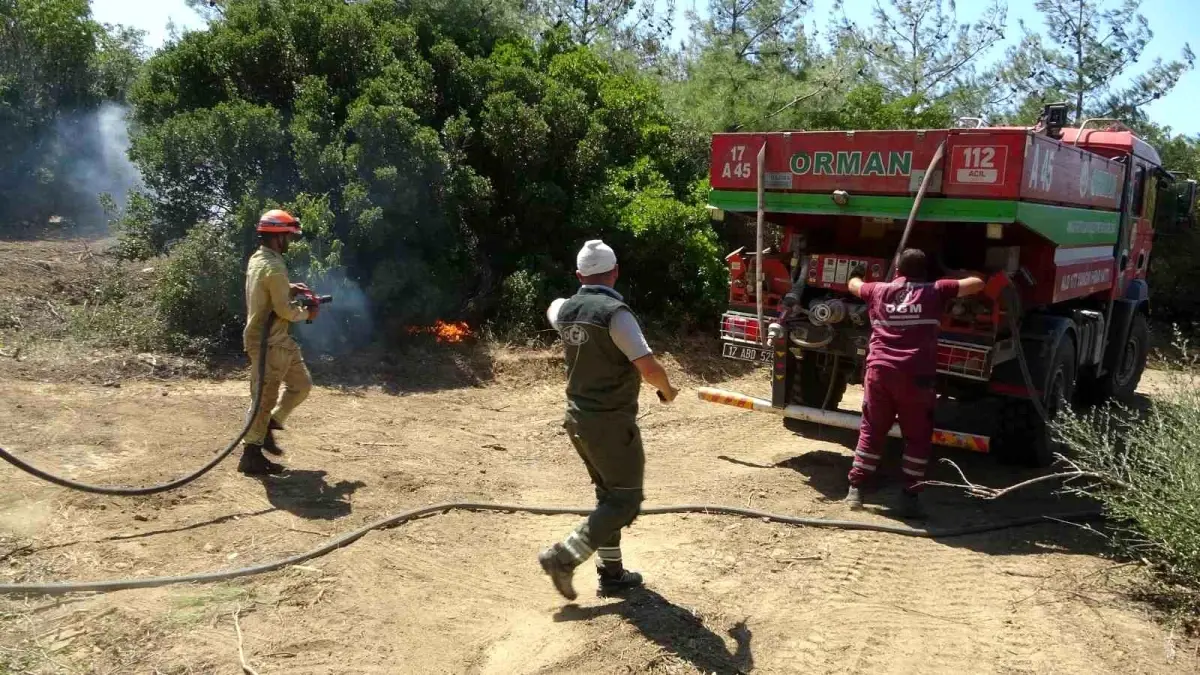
x=1024, y=437
x=1123, y=380
x=811, y=386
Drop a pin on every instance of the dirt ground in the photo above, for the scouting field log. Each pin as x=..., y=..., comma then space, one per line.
x=462, y=592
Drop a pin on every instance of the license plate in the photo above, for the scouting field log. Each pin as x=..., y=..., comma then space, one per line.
x=732, y=351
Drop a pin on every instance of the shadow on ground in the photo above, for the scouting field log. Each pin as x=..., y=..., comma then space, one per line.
x=675, y=630
x=308, y=495
x=826, y=472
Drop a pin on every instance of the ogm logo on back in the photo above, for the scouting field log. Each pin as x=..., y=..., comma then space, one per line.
x=905, y=306
x=902, y=308
x=574, y=335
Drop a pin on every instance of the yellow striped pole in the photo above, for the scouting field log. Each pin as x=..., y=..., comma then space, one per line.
x=836, y=418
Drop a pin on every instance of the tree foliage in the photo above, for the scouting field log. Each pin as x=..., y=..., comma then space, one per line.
x=746, y=60
x=1086, y=47
x=432, y=148
x=638, y=25
x=56, y=66
x=919, y=48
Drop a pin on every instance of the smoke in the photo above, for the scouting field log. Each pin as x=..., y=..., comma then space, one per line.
x=92, y=151
x=343, y=325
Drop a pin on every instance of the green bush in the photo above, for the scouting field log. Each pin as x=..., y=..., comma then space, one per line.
x=523, y=302
x=201, y=292
x=1151, y=464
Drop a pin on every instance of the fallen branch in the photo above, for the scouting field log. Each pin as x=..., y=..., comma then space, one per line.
x=246, y=669
x=15, y=551
x=985, y=492
x=14, y=354
x=53, y=311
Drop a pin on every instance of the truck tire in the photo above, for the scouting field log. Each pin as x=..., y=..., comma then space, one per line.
x=1122, y=381
x=810, y=386
x=1023, y=436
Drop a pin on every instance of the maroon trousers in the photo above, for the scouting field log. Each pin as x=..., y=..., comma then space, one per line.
x=891, y=394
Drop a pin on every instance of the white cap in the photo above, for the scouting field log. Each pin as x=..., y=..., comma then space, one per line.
x=595, y=258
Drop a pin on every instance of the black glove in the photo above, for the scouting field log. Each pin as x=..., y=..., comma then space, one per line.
x=859, y=271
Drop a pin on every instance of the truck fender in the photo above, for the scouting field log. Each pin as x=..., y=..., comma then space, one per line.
x=1136, y=300
x=1041, y=334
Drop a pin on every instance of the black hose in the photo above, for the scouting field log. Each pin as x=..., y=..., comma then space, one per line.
x=912, y=214
x=832, y=381
x=1014, y=327
x=179, y=482
x=336, y=543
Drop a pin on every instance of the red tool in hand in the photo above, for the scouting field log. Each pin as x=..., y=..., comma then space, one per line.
x=312, y=302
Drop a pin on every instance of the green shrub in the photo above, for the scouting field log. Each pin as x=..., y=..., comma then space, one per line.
x=1151, y=459
x=201, y=291
x=524, y=299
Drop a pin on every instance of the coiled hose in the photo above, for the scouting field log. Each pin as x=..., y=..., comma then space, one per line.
x=179, y=482
x=336, y=543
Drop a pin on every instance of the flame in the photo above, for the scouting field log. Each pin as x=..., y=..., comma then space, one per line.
x=449, y=332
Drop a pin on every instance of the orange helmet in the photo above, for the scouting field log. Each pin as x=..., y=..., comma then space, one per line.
x=277, y=221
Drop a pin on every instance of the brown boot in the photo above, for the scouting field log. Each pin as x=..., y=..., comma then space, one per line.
x=253, y=463
x=853, y=498
x=560, y=573
x=270, y=445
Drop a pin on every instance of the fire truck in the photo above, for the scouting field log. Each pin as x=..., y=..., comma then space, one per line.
x=1067, y=214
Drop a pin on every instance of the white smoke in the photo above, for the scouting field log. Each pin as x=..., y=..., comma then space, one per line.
x=93, y=157
x=345, y=324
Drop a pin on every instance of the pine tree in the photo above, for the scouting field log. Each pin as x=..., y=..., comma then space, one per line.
x=1086, y=47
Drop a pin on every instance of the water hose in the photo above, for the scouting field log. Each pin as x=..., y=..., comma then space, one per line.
x=912, y=214
x=178, y=482
x=60, y=588
x=1009, y=293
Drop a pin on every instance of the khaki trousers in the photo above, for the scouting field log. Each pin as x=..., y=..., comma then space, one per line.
x=285, y=366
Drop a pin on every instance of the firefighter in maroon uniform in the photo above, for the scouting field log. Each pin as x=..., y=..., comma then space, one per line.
x=901, y=366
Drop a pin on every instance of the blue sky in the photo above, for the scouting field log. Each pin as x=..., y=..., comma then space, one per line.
x=1171, y=20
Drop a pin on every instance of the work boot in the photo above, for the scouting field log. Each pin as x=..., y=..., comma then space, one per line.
x=853, y=498
x=270, y=445
x=616, y=581
x=910, y=505
x=560, y=572
x=254, y=464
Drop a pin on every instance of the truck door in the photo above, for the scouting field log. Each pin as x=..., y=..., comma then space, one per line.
x=1139, y=249
x=1133, y=251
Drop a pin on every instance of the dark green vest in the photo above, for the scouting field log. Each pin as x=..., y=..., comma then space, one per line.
x=600, y=378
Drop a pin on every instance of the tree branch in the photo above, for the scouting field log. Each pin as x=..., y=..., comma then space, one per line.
x=989, y=493
x=772, y=25
x=954, y=68
x=246, y=669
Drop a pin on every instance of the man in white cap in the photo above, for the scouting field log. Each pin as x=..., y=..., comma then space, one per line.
x=607, y=358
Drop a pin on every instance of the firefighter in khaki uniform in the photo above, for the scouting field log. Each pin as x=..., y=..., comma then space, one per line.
x=267, y=291
x=607, y=358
